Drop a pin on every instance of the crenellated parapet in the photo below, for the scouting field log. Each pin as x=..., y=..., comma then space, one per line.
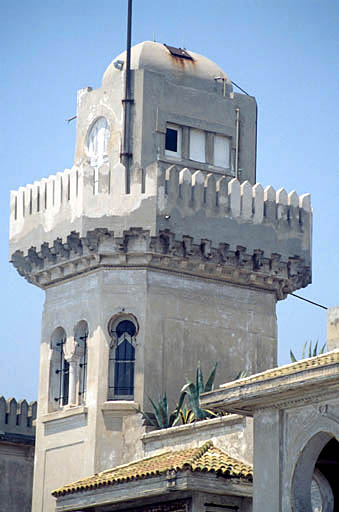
x=208, y=206
x=78, y=199
x=78, y=220
x=17, y=417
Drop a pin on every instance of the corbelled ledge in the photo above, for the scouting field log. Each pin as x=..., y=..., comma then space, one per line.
x=138, y=249
x=280, y=387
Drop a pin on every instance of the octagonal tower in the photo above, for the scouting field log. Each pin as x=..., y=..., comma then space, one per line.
x=178, y=257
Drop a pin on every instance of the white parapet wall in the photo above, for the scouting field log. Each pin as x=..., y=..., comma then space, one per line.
x=193, y=191
x=220, y=209
x=78, y=200
x=209, y=209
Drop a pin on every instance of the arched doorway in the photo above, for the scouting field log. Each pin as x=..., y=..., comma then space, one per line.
x=314, y=485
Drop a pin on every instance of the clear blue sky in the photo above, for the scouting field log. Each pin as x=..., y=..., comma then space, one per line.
x=284, y=52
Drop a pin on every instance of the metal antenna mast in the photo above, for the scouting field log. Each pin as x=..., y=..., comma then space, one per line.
x=126, y=154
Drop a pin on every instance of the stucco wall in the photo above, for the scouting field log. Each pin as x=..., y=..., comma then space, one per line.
x=16, y=476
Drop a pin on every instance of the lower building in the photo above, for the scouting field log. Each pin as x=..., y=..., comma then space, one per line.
x=17, y=440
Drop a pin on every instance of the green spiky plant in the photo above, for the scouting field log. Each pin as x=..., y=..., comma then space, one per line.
x=161, y=418
x=309, y=351
x=186, y=415
x=241, y=375
x=193, y=391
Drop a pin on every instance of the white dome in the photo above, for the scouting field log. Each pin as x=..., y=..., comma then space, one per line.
x=156, y=57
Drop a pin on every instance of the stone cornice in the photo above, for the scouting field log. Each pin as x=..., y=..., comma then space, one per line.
x=309, y=381
x=49, y=265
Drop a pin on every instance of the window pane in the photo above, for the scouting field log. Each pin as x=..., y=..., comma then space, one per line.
x=125, y=326
x=124, y=378
x=65, y=386
x=125, y=351
x=171, y=143
x=197, y=145
x=221, y=151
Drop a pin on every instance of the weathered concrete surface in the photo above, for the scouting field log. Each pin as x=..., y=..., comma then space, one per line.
x=232, y=433
x=16, y=476
x=181, y=321
x=17, y=439
x=333, y=328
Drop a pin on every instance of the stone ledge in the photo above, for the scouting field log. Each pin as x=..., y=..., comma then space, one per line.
x=279, y=387
x=119, y=407
x=64, y=413
x=196, y=426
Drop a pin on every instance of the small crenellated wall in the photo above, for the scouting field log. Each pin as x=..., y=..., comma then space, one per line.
x=223, y=196
x=220, y=209
x=17, y=417
x=79, y=199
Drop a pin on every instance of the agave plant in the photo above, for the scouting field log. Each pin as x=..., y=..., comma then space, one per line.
x=193, y=391
x=311, y=352
x=186, y=415
x=241, y=375
x=161, y=418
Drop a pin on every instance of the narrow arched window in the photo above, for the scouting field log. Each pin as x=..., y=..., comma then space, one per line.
x=59, y=371
x=122, y=359
x=97, y=141
x=81, y=335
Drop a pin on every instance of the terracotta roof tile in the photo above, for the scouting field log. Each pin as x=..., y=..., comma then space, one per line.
x=207, y=458
x=281, y=371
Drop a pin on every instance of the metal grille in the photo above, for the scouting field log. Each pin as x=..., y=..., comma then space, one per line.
x=122, y=361
x=63, y=373
x=83, y=370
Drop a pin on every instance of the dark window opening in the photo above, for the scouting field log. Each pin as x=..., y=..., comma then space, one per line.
x=122, y=362
x=328, y=464
x=126, y=326
x=171, y=143
x=178, y=52
x=63, y=373
x=83, y=368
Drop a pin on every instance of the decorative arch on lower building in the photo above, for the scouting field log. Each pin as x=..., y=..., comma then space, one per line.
x=123, y=329
x=314, y=481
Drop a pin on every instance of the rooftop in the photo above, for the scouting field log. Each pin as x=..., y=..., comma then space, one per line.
x=317, y=377
x=178, y=64
x=206, y=458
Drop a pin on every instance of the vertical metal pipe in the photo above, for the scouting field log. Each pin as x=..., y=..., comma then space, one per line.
x=237, y=112
x=126, y=154
x=256, y=142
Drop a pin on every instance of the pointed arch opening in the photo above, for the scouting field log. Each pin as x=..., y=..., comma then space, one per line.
x=123, y=330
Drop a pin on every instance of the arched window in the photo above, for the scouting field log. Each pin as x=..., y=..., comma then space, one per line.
x=123, y=331
x=97, y=140
x=80, y=336
x=59, y=370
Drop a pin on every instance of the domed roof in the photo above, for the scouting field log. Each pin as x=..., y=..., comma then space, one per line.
x=158, y=58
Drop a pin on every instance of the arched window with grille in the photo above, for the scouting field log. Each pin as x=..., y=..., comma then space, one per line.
x=80, y=336
x=123, y=331
x=59, y=370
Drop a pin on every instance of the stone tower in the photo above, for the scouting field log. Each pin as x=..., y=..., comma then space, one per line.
x=177, y=257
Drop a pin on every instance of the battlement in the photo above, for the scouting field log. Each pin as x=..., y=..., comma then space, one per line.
x=79, y=199
x=17, y=417
x=222, y=196
x=64, y=214
x=205, y=206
